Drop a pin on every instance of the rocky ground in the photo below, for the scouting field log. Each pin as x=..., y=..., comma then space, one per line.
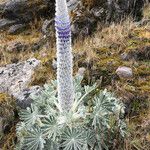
x=111, y=48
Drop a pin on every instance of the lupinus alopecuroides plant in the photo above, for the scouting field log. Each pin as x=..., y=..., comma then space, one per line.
x=60, y=117
x=64, y=56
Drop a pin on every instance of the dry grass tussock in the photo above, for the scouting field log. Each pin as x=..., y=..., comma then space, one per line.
x=115, y=34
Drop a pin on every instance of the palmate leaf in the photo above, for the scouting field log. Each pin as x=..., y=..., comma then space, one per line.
x=91, y=137
x=79, y=97
x=106, y=101
x=101, y=139
x=20, y=127
x=89, y=89
x=104, y=106
x=50, y=92
x=34, y=140
x=46, y=96
x=20, y=132
x=77, y=83
x=123, y=128
x=30, y=115
x=51, y=128
x=50, y=110
x=51, y=145
x=73, y=139
x=54, y=84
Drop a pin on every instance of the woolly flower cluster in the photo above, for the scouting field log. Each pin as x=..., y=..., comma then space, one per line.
x=64, y=56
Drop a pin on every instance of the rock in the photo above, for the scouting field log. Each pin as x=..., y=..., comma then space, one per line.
x=16, y=77
x=5, y=23
x=72, y=4
x=54, y=64
x=81, y=71
x=23, y=97
x=16, y=9
x=24, y=11
x=123, y=8
x=104, y=12
x=124, y=72
x=48, y=31
x=16, y=47
x=142, y=53
x=86, y=15
x=16, y=29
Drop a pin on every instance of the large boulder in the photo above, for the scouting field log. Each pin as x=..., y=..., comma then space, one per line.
x=16, y=77
x=25, y=11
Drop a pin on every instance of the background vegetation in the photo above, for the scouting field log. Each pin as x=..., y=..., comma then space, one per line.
x=100, y=54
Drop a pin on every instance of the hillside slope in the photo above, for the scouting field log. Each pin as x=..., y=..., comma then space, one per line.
x=126, y=44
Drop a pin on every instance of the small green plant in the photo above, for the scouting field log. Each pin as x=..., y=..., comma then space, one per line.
x=44, y=126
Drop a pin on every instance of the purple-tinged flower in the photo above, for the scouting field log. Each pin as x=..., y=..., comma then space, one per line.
x=64, y=56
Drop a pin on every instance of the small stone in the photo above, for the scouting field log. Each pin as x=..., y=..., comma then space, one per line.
x=44, y=54
x=81, y=71
x=54, y=64
x=5, y=23
x=16, y=29
x=124, y=72
x=72, y=4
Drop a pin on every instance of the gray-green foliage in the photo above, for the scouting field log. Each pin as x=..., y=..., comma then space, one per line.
x=43, y=126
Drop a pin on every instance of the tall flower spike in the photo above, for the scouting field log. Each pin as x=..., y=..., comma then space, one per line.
x=64, y=56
